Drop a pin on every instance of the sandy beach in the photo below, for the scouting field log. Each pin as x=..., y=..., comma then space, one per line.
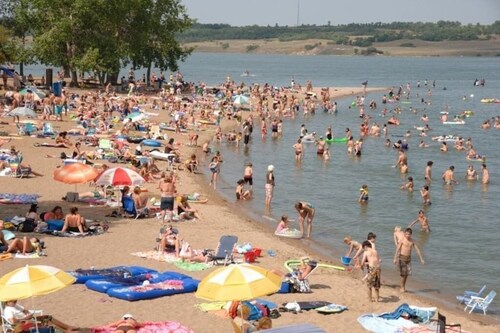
x=81, y=307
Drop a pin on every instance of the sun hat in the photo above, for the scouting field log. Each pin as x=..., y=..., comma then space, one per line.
x=270, y=168
x=128, y=316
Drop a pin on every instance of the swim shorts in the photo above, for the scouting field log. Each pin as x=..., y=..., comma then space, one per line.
x=404, y=265
x=167, y=203
x=373, y=277
x=248, y=179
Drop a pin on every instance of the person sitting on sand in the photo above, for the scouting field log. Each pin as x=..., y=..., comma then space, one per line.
x=24, y=246
x=187, y=253
x=63, y=141
x=282, y=225
x=240, y=192
x=140, y=201
x=126, y=325
x=192, y=163
x=22, y=319
x=184, y=209
x=170, y=240
x=74, y=222
x=55, y=214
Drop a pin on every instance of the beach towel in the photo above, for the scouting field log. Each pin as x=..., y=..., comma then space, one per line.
x=26, y=256
x=191, y=266
x=376, y=324
x=212, y=306
x=157, y=327
x=431, y=329
x=400, y=310
x=18, y=199
x=155, y=255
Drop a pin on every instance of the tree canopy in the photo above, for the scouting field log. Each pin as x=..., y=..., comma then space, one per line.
x=100, y=36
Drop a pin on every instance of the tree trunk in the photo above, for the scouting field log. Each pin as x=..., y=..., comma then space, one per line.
x=74, y=78
x=21, y=69
x=148, y=76
x=113, y=78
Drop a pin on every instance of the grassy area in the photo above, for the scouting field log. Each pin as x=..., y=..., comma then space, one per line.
x=486, y=48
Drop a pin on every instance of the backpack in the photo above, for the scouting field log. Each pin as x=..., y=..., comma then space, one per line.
x=28, y=225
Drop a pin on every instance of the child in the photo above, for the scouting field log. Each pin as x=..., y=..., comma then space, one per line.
x=326, y=154
x=283, y=224
x=398, y=235
x=241, y=194
x=353, y=245
x=372, y=277
x=409, y=185
x=426, y=197
x=363, y=196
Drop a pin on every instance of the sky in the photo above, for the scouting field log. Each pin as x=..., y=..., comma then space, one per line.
x=284, y=12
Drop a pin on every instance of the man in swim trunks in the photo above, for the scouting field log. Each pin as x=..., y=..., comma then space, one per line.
x=248, y=175
x=320, y=146
x=428, y=173
x=168, y=190
x=403, y=257
x=372, y=261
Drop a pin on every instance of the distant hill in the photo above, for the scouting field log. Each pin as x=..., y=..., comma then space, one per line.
x=397, y=38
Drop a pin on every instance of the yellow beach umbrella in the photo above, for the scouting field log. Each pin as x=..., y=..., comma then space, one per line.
x=31, y=281
x=238, y=283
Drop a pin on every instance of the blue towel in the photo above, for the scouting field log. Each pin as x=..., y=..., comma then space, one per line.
x=402, y=309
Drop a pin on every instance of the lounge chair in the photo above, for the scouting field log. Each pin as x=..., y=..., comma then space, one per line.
x=128, y=206
x=6, y=326
x=27, y=129
x=16, y=169
x=441, y=324
x=468, y=293
x=224, y=252
x=480, y=303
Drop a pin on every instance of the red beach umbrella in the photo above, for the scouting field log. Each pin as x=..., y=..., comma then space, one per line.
x=120, y=177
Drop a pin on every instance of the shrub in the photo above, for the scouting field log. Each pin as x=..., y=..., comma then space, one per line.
x=225, y=46
x=252, y=47
x=407, y=45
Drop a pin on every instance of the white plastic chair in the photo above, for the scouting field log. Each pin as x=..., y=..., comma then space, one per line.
x=480, y=303
x=465, y=297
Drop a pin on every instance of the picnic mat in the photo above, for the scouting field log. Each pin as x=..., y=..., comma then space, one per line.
x=171, y=258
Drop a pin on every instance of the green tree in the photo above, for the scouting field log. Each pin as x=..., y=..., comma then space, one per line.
x=6, y=46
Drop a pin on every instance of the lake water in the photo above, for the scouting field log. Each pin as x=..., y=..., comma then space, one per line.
x=462, y=250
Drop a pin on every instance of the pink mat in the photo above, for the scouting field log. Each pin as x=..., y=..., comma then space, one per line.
x=150, y=327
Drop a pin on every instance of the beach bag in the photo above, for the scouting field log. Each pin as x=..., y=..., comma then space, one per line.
x=28, y=225
x=255, y=312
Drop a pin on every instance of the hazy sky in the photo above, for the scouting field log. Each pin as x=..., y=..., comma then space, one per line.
x=284, y=12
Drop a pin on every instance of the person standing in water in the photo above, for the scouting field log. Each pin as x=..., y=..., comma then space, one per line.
x=422, y=219
x=306, y=214
x=269, y=185
x=403, y=257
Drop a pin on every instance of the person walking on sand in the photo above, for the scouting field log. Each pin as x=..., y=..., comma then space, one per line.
x=403, y=257
x=422, y=219
x=269, y=185
x=306, y=214
x=372, y=261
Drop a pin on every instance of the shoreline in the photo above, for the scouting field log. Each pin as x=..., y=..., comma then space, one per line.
x=220, y=216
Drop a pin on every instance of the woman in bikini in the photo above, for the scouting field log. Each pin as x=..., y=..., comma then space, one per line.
x=74, y=222
x=306, y=213
x=126, y=325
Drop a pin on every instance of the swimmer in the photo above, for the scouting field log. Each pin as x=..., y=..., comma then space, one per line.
x=471, y=173
x=485, y=178
x=298, y=150
x=363, y=194
x=422, y=219
x=408, y=186
x=422, y=144
x=449, y=176
x=426, y=196
x=428, y=173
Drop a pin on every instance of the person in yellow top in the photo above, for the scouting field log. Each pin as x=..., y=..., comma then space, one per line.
x=363, y=194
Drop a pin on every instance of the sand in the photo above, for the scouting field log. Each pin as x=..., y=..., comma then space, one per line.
x=84, y=308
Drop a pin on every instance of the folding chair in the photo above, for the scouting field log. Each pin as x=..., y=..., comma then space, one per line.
x=16, y=169
x=128, y=207
x=465, y=297
x=441, y=327
x=480, y=303
x=224, y=252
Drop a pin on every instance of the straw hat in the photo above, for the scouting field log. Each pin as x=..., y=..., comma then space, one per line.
x=270, y=168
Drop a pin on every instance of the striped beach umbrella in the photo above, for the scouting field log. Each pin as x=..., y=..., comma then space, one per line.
x=238, y=283
x=29, y=281
x=120, y=177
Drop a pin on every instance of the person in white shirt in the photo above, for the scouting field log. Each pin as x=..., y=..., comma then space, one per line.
x=16, y=314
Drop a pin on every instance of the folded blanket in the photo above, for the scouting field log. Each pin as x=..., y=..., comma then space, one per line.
x=401, y=310
x=212, y=306
x=158, y=327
